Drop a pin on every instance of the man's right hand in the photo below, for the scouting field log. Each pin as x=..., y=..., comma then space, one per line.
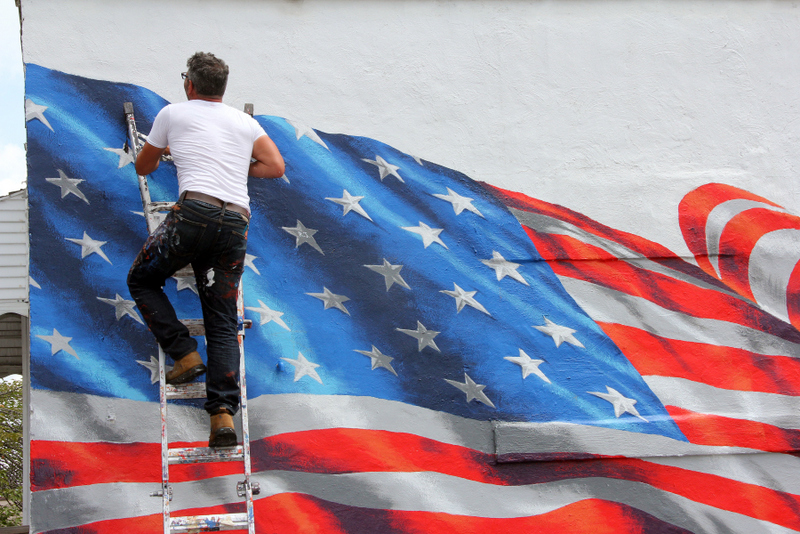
x=148, y=159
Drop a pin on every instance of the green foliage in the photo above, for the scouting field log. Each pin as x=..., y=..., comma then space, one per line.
x=11, y=452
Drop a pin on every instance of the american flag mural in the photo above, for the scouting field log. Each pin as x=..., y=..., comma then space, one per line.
x=429, y=353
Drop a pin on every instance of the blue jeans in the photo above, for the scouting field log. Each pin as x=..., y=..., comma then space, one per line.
x=214, y=243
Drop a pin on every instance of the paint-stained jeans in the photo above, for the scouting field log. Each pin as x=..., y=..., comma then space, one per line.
x=214, y=243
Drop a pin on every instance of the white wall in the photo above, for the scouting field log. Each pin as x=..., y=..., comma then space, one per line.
x=614, y=109
x=14, y=253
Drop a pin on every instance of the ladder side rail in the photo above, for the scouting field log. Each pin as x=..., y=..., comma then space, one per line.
x=248, y=489
x=144, y=189
x=248, y=486
x=166, y=490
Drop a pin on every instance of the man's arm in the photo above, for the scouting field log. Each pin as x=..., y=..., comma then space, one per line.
x=148, y=159
x=269, y=162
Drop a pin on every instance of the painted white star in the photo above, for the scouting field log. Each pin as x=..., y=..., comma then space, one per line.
x=90, y=246
x=379, y=359
x=125, y=157
x=474, y=391
x=528, y=365
x=559, y=333
x=384, y=167
x=68, y=185
x=266, y=315
x=59, y=342
x=186, y=282
x=350, y=203
x=248, y=262
x=621, y=403
x=301, y=130
x=503, y=268
x=303, y=367
x=123, y=307
x=417, y=159
x=391, y=274
x=429, y=235
x=303, y=235
x=34, y=283
x=464, y=298
x=459, y=203
x=331, y=300
x=423, y=336
x=35, y=111
x=152, y=366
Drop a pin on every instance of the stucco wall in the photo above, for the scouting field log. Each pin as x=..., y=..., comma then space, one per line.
x=586, y=104
x=533, y=168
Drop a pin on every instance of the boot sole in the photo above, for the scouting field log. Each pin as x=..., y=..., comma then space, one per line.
x=225, y=437
x=188, y=375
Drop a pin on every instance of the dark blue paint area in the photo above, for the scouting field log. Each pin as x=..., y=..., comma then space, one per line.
x=86, y=116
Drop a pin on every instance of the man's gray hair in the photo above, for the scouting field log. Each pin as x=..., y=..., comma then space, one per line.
x=208, y=73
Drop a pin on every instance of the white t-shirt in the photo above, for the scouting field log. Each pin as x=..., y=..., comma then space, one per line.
x=211, y=144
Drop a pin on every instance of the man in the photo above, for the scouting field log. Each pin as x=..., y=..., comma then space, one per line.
x=215, y=148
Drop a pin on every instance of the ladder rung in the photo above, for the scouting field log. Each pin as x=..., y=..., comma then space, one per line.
x=192, y=390
x=196, y=326
x=203, y=455
x=208, y=523
x=159, y=206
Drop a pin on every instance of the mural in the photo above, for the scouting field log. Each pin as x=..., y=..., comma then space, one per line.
x=429, y=353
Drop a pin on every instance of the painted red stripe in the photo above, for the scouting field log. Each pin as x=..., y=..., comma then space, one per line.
x=793, y=297
x=644, y=247
x=591, y=516
x=693, y=212
x=706, y=429
x=726, y=494
x=632, y=241
x=58, y=464
x=721, y=367
x=738, y=239
x=664, y=290
x=349, y=450
x=292, y=513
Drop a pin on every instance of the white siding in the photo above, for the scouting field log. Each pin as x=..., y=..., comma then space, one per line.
x=14, y=253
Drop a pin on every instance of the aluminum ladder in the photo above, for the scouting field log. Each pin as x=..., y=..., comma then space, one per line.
x=154, y=213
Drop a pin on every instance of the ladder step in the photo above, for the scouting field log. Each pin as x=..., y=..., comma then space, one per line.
x=204, y=455
x=208, y=523
x=192, y=390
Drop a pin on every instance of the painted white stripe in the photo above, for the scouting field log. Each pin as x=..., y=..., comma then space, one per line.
x=780, y=472
x=272, y=415
x=772, y=261
x=719, y=218
x=126, y=421
x=418, y=491
x=549, y=225
x=513, y=438
x=611, y=306
x=770, y=408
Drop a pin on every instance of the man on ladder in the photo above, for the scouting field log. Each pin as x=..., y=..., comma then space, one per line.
x=215, y=148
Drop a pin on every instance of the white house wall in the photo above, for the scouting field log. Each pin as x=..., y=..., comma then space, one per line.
x=579, y=103
x=597, y=323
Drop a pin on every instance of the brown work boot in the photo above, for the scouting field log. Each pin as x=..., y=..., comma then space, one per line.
x=222, y=431
x=186, y=369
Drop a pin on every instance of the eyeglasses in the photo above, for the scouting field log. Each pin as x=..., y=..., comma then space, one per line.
x=184, y=75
